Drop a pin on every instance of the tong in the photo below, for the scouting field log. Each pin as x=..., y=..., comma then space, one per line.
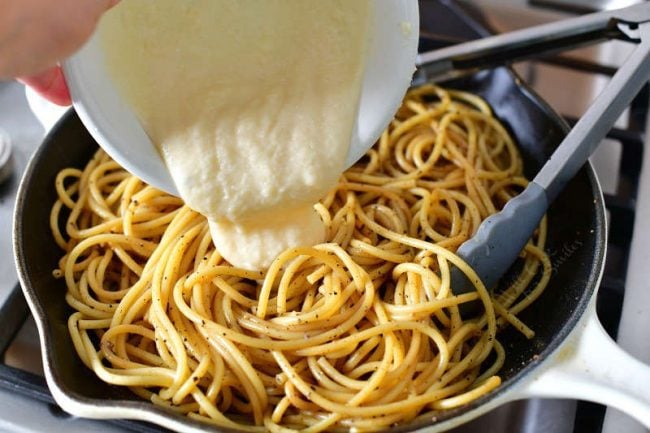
x=502, y=236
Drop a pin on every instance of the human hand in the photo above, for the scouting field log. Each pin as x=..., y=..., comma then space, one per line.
x=35, y=35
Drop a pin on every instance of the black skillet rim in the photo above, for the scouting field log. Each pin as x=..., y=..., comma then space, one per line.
x=47, y=342
x=448, y=418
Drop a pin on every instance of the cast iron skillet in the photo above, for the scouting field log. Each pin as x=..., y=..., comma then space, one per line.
x=576, y=224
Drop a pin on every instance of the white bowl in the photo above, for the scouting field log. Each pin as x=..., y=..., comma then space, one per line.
x=111, y=122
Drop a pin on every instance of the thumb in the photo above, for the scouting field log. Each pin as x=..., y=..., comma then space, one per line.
x=107, y=4
x=51, y=83
x=112, y=3
x=91, y=9
x=100, y=6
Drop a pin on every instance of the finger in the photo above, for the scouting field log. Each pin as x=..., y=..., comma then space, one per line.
x=37, y=34
x=51, y=85
x=100, y=6
x=76, y=21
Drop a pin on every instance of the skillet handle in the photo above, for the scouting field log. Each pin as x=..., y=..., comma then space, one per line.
x=589, y=365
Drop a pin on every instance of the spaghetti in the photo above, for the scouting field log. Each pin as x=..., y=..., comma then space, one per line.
x=361, y=332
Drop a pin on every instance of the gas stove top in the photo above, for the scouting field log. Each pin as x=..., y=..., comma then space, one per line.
x=26, y=405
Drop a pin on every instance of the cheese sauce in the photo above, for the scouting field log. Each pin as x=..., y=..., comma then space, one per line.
x=251, y=103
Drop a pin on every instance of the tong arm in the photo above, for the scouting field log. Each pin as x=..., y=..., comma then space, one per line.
x=534, y=41
x=587, y=134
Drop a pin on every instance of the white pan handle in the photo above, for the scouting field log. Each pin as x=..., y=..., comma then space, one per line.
x=591, y=366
